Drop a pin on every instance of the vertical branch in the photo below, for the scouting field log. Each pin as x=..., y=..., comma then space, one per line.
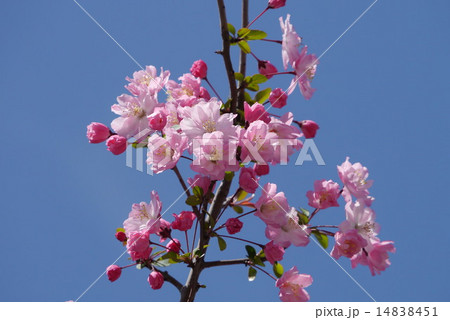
x=226, y=55
x=243, y=57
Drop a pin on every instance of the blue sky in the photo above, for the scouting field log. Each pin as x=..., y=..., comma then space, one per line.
x=382, y=98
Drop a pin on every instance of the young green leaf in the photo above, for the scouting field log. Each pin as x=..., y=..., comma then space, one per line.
x=258, y=78
x=250, y=251
x=253, y=87
x=120, y=230
x=323, y=239
x=255, y=35
x=278, y=269
x=263, y=95
x=251, y=274
x=198, y=191
x=231, y=28
x=193, y=201
x=239, y=76
x=243, y=32
x=241, y=195
x=244, y=46
x=238, y=209
x=222, y=243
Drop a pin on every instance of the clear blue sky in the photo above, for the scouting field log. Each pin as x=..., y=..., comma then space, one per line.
x=383, y=98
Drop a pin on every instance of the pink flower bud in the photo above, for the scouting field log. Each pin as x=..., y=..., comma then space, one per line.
x=199, y=69
x=261, y=169
x=255, y=112
x=97, y=132
x=273, y=252
x=113, y=272
x=233, y=225
x=309, y=128
x=156, y=280
x=278, y=98
x=183, y=221
x=266, y=68
x=157, y=120
x=275, y=4
x=121, y=236
x=116, y=144
x=174, y=246
x=248, y=180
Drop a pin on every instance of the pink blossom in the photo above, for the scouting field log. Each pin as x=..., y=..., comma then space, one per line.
x=187, y=93
x=266, y=68
x=325, y=194
x=157, y=120
x=360, y=218
x=233, y=225
x=290, y=43
x=347, y=244
x=138, y=245
x=116, y=144
x=275, y=4
x=147, y=81
x=248, y=180
x=305, y=66
x=255, y=112
x=133, y=112
x=97, y=132
x=202, y=181
x=144, y=217
x=309, y=128
x=164, y=153
x=113, y=272
x=273, y=252
x=121, y=236
x=287, y=138
x=199, y=69
x=204, y=94
x=257, y=143
x=214, y=154
x=376, y=258
x=174, y=246
x=354, y=176
x=183, y=221
x=291, y=232
x=292, y=286
x=205, y=117
x=261, y=169
x=156, y=280
x=272, y=207
x=278, y=98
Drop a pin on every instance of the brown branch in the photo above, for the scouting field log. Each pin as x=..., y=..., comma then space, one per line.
x=226, y=54
x=170, y=279
x=186, y=189
x=243, y=58
x=218, y=263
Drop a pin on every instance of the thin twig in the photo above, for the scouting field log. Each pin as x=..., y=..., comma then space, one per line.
x=218, y=263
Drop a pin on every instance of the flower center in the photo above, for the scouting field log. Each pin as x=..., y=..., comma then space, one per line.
x=209, y=126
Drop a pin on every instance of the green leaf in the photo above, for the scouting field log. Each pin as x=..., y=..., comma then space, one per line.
x=257, y=260
x=250, y=251
x=193, y=201
x=171, y=256
x=231, y=28
x=243, y=32
x=258, y=78
x=278, y=269
x=139, y=266
x=322, y=238
x=305, y=212
x=251, y=274
x=120, y=230
x=238, y=209
x=253, y=87
x=241, y=195
x=263, y=95
x=244, y=46
x=239, y=76
x=255, y=35
x=248, y=98
x=222, y=243
x=198, y=191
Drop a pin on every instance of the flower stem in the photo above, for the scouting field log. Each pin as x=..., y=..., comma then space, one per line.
x=265, y=10
x=214, y=90
x=240, y=239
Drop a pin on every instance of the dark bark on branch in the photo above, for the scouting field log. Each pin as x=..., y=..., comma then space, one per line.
x=226, y=55
x=243, y=58
x=218, y=263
